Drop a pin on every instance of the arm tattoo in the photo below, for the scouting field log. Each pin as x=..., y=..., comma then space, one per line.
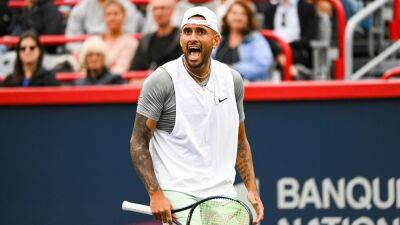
x=140, y=154
x=244, y=162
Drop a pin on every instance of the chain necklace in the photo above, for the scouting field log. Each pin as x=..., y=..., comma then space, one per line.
x=194, y=75
x=202, y=77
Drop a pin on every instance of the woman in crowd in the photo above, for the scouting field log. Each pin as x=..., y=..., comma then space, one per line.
x=28, y=70
x=93, y=61
x=121, y=46
x=242, y=47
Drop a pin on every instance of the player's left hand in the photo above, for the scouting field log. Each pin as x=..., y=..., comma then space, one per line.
x=255, y=200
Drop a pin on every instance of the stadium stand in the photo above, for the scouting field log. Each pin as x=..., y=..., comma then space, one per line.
x=324, y=53
x=7, y=60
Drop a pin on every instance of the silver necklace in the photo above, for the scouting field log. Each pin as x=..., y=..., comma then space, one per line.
x=194, y=75
x=204, y=86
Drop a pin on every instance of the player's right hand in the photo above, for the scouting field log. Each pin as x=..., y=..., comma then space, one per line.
x=161, y=207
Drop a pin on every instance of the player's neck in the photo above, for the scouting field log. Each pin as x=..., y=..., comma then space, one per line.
x=199, y=74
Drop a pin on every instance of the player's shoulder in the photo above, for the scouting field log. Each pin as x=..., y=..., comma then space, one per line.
x=158, y=79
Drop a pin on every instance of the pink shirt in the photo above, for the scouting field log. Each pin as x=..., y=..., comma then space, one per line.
x=120, y=53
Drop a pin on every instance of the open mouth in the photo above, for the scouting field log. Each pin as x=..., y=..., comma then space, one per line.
x=194, y=52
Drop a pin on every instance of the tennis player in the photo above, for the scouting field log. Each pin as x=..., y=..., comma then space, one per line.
x=189, y=132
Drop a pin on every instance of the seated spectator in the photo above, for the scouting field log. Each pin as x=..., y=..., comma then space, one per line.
x=5, y=18
x=93, y=60
x=121, y=46
x=28, y=70
x=150, y=25
x=41, y=16
x=162, y=45
x=220, y=7
x=87, y=17
x=296, y=22
x=242, y=47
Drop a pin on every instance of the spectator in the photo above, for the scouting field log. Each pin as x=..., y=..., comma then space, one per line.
x=221, y=7
x=162, y=45
x=180, y=7
x=121, y=46
x=242, y=47
x=296, y=22
x=93, y=60
x=41, y=16
x=5, y=17
x=87, y=18
x=28, y=70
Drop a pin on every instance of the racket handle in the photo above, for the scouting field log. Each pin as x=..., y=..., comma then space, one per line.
x=134, y=207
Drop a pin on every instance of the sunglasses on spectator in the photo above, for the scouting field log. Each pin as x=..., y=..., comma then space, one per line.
x=31, y=48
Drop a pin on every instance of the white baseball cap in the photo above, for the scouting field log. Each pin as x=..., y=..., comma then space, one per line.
x=210, y=17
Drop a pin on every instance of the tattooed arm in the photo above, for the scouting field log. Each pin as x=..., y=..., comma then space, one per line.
x=142, y=132
x=244, y=165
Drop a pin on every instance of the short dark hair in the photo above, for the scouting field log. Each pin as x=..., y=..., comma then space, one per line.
x=251, y=21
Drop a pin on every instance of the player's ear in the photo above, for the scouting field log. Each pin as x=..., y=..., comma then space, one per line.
x=216, y=40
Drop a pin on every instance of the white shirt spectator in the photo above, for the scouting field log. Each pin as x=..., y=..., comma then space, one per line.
x=286, y=21
x=151, y=26
x=87, y=18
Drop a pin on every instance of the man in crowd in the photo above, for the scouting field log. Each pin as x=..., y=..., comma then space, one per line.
x=296, y=21
x=150, y=25
x=162, y=45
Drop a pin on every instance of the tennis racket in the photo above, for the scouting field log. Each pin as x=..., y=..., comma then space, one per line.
x=216, y=210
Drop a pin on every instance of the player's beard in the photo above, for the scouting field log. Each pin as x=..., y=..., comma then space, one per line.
x=203, y=58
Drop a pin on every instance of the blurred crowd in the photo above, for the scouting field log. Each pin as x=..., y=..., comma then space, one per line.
x=113, y=48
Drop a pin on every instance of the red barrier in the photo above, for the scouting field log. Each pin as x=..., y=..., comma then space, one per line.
x=69, y=77
x=341, y=26
x=21, y=3
x=45, y=39
x=286, y=50
x=394, y=25
x=58, y=39
x=391, y=73
x=285, y=91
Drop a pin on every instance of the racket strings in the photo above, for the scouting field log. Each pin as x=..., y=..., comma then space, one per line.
x=220, y=212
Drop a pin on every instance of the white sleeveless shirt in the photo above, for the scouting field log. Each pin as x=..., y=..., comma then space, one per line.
x=198, y=157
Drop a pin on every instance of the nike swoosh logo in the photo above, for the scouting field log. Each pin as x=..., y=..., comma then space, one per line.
x=221, y=100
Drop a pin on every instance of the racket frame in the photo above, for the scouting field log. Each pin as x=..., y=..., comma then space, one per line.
x=144, y=209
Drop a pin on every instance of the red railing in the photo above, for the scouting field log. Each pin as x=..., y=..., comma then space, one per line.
x=22, y=3
x=391, y=73
x=395, y=23
x=69, y=77
x=50, y=39
x=45, y=39
x=341, y=26
x=286, y=50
